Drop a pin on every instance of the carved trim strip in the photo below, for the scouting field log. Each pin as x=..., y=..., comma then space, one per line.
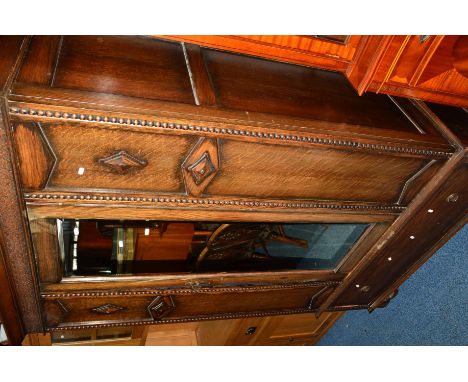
x=403, y=111
x=54, y=295
x=222, y=202
x=52, y=152
x=412, y=179
x=315, y=297
x=189, y=69
x=341, y=308
x=223, y=316
x=118, y=120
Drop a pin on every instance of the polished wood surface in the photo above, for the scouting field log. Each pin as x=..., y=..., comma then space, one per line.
x=87, y=309
x=431, y=68
x=246, y=169
x=140, y=128
x=46, y=242
x=108, y=65
x=295, y=329
x=20, y=305
x=317, y=51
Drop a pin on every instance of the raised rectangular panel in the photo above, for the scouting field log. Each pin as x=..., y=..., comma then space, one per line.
x=151, y=161
x=81, y=309
x=249, y=169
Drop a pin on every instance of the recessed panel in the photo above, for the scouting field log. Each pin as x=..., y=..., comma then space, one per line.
x=250, y=169
x=132, y=66
x=251, y=84
x=94, y=158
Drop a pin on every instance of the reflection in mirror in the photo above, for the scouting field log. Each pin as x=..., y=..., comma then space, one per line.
x=124, y=247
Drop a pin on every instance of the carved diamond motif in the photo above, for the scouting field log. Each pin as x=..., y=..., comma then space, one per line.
x=201, y=166
x=108, y=309
x=161, y=306
x=122, y=162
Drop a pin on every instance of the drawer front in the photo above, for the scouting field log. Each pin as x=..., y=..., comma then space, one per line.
x=104, y=308
x=289, y=341
x=78, y=157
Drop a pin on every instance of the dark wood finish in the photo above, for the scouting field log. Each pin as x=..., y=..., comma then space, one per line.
x=17, y=248
x=45, y=240
x=362, y=246
x=215, y=122
x=77, y=309
x=247, y=169
x=154, y=159
x=441, y=203
x=411, y=242
x=9, y=311
x=161, y=307
x=201, y=82
x=10, y=46
x=83, y=206
x=40, y=62
x=200, y=166
x=18, y=267
x=122, y=162
x=136, y=67
x=295, y=329
x=35, y=157
x=455, y=118
x=139, y=128
x=302, y=92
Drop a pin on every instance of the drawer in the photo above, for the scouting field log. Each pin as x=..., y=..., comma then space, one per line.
x=91, y=308
x=298, y=325
x=87, y=158
x=289, y=341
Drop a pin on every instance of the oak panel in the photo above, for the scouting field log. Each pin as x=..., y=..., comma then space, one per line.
x=40, y=61
x=80, y=146
x=278, y=88
x=249, y=169
x=47, y=250
x=153, y=162
x=36, y=159
x=66, y=310
x=133, y=66
x=10, y=46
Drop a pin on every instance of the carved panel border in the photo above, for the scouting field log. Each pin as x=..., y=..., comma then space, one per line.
x=156, y=292
x=59, y=115
x=222, y=316
x=186, y=201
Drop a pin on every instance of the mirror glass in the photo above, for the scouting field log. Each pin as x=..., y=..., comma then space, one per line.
x=126, y=247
